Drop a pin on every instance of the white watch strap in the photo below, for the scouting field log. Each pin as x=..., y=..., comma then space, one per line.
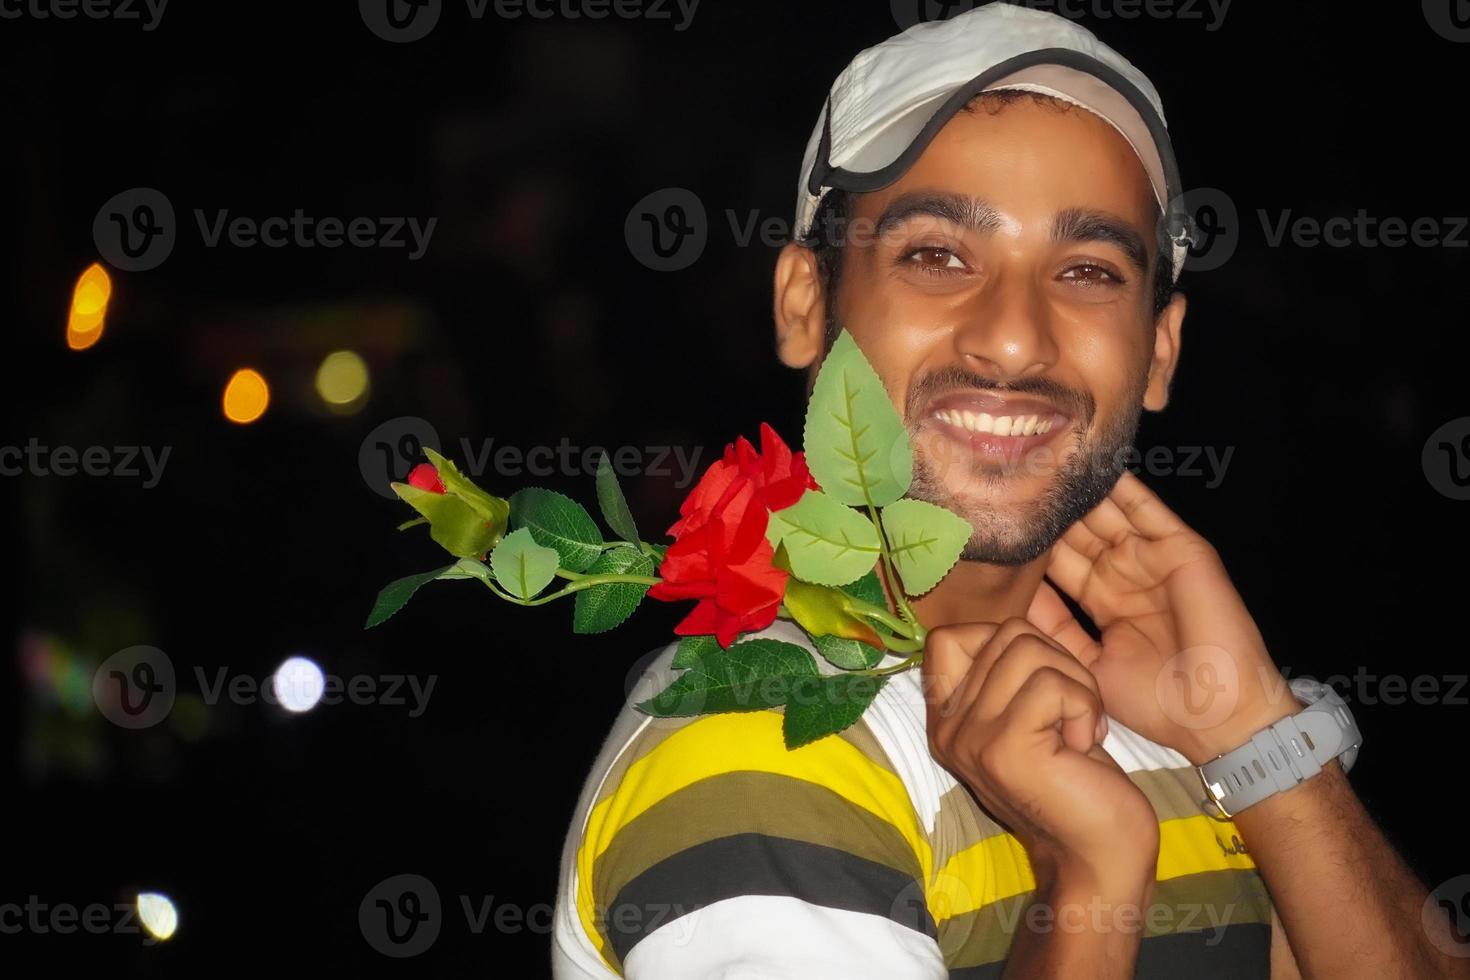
x=1277, y=758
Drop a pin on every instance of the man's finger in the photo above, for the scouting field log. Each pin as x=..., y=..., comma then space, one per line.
x=1049, y=698
x=1052, y=617
x=949, y=652
x=1143, y=509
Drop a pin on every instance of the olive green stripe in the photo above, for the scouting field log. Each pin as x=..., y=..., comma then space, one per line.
x=654, y=735
x=747, y=803
x=963, y=822
x=1189, y=903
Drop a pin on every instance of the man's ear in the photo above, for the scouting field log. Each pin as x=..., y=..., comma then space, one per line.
x=800, y=307
x=1166, y=354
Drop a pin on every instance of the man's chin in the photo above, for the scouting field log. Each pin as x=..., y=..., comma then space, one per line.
x=1016, y=515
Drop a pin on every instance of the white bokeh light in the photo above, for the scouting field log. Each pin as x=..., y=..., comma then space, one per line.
x=298, y=684
x=158, y=914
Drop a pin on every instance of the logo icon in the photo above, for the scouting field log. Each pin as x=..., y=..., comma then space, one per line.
x=392, y=449
x=667, y=230
x=134, y=688
x=400, y=916
x=135, y=230
x=400, y=21
x=1446, y=459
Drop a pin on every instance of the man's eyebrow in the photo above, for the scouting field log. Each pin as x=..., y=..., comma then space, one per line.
x=960, y=209
x=1083, y=225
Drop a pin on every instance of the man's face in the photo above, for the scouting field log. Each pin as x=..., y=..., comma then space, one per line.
x=1003, y=291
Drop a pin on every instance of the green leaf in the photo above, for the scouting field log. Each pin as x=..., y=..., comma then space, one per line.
x=395, y=595
x=869, y=589
x=614, y=505
x=924, y=540
x=602, y=607
x=855, y=442
x=693, y=648
x=839, y=651
x=456, y=526
x=824, y=706
x=522, y=566
x=828, y=542
x=750, y=675
x=495, y=510
x=557, y=521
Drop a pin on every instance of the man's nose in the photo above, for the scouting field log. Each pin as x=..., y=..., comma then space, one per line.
x=1005, y=331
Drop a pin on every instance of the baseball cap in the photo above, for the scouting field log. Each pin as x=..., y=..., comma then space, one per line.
x=892, y=99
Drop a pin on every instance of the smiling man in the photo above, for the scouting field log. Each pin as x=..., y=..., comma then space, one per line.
x=987, y=207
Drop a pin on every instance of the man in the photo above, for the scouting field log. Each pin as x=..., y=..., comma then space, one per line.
x=988, y=206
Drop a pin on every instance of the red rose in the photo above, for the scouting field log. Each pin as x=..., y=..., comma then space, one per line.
x=425, y=477
x=780, y=478
x=720, y=555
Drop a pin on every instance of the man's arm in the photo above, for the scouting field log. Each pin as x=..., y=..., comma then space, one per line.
x=1172, y=622
x=1350, y=905
x=1019, y=721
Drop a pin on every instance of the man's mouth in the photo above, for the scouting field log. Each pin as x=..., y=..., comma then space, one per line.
x=995, y=427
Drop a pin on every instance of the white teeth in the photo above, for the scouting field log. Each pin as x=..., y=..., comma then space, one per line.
x=1004, y=425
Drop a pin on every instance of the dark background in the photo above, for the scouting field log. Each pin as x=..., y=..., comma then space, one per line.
x=530, y=320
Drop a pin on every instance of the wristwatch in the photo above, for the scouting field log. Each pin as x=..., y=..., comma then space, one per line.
x=1279, y=756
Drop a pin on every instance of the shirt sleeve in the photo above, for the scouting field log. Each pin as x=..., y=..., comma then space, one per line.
x=713, y=851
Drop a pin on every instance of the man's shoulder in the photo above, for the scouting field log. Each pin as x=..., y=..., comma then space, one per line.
x=682, y=813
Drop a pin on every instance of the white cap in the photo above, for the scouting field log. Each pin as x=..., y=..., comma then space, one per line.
x=892, y=99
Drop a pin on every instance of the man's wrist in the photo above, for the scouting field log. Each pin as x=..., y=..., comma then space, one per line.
x=1212, y=743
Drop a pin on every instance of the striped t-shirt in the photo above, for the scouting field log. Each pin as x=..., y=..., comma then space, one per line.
x=702, y=847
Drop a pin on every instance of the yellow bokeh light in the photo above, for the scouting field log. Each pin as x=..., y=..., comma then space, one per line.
x=246, y=396
x=88, y=307
x=342, y=380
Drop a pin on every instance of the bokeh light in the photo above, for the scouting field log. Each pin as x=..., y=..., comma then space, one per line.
x=342, y=381
x=158, y=914
x=246, y=396
x=298, y=684
x=88, y=311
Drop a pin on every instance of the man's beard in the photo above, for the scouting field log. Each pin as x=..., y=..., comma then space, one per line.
x=1023, y=532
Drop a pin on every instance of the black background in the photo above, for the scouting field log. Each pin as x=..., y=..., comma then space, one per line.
x=529, y=320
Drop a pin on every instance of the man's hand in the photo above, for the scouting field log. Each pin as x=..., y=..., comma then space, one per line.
x=1017, y=719
x=1180, y=659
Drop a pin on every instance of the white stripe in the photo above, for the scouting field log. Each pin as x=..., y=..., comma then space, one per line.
x=767, y=937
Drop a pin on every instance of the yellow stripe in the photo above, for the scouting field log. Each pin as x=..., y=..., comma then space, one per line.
x=996, y=868
x=740, y=742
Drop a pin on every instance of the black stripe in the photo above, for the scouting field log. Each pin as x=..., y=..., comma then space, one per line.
x=757, y=864
x=1238, y=952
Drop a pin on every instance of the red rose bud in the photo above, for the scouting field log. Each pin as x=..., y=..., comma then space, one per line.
x=425, y=477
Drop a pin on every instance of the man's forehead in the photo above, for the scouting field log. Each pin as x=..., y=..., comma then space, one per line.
x=1027, y=153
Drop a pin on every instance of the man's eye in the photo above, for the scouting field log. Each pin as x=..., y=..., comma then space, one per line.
x=936, y=259
x=1089, y=273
